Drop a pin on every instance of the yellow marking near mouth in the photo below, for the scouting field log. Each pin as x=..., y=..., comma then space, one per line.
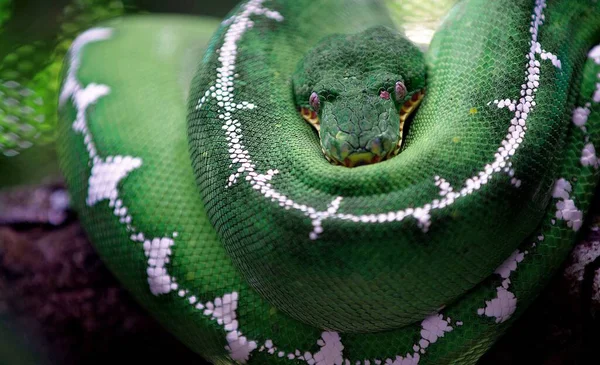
x=361, y=158
x=311, y=117
x=409, y=106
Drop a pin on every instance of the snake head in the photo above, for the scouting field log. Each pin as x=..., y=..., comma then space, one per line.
x=356, y=91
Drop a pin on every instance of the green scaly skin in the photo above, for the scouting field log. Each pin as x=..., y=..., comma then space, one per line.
x=284, y=258
x=355, y=120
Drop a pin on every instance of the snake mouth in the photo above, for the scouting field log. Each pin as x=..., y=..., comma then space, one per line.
x=361, y=158
x=356, y=159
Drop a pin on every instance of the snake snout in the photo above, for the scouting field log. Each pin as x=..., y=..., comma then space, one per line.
x=342, y=152
x=361, y=158
x=358, y=130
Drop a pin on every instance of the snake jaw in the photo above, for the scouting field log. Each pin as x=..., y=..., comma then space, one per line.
x=406, y=110
x=329, y=159
x=311, y=117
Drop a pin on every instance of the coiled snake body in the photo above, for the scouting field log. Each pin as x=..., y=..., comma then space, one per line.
x=253, y=248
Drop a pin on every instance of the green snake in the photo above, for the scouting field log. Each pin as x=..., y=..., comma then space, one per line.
x=242, y=239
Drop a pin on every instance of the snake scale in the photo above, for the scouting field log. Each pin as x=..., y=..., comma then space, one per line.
x=216, y=207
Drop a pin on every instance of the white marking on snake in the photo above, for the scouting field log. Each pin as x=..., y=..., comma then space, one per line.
x=331, y=350
x=510, y=264
x=71, y=84
x=581, y=115
x=107, y=173
x=588, y=156
x=320, y=216
x=565, y=206
x=223, y=310
x=583, y=255
x=105, y=178
x=594, y=54
x=504, y=304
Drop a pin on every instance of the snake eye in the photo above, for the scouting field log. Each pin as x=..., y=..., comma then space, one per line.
x=314, y=101
x=400, y=90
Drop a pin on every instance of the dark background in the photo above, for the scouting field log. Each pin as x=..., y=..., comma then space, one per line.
x=217, y=8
